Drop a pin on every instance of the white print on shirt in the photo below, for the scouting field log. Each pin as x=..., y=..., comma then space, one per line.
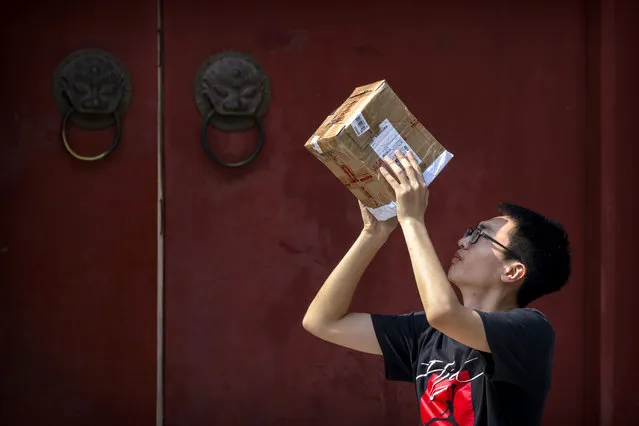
x=447, y=375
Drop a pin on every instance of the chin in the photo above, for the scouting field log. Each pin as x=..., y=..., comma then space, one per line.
x=452, y=276
x=456, y=277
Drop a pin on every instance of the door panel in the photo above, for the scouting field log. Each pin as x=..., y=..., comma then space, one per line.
x=502, y=87
x=77, y=239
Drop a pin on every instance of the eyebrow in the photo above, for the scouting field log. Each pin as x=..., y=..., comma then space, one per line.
x=484, y=226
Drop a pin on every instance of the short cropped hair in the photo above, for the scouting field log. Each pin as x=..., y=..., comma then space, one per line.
x=543, y=247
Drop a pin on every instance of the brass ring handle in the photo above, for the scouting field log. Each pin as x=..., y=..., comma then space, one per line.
x=116, y=139
x=209, y=152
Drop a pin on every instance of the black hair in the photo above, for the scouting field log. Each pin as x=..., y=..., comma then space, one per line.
x=543, y=246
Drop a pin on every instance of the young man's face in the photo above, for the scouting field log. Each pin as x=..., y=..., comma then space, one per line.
x=481, y=265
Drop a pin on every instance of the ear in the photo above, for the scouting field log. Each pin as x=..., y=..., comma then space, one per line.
x=513, y=273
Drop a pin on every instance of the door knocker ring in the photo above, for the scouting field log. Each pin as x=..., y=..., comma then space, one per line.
x=116, y=139
x=232, y=93
x=92, y=89
x=209, y=152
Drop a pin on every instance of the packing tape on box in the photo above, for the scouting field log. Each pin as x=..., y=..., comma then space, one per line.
x=315, y=145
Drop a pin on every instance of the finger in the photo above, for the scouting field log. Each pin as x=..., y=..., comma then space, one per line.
x=408, y=167
x=389, y=178
x=397, y=170
x=415, y=164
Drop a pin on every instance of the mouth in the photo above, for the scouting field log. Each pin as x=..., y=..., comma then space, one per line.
x=456, y=258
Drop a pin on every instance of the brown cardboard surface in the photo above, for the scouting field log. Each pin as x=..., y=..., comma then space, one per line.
x=352, y=148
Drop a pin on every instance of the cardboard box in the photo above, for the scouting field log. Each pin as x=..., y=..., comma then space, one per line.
x=372, y=123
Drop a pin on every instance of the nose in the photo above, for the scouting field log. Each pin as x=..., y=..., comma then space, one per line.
x=463, y=242
x=234, y=104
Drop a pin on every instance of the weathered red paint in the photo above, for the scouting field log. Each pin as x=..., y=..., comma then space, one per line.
x=502, y=85
x=536, y=101
x=77, y=240
x=615, y=64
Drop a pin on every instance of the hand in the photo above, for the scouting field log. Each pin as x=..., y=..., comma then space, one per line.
x=411, y=192
x=374, y=226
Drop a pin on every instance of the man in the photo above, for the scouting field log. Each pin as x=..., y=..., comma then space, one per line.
x=487, y=361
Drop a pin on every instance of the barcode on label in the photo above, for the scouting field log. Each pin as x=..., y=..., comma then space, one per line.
x=359, y=124
x=388, y=140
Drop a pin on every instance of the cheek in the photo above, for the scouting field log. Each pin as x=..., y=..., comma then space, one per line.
x=475, y=269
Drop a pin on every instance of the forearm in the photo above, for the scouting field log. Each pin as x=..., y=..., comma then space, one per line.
x=333, y=300
x=434, y=288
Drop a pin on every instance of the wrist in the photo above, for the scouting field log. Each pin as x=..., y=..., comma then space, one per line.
x=374, y=235
x=411, y=222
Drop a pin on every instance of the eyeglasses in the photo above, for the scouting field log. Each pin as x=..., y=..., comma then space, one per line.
x=475, y=233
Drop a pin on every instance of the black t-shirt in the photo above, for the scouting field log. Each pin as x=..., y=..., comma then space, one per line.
x=460, y=386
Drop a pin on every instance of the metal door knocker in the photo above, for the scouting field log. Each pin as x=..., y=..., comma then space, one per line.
x=232, y=93
x=92, y=89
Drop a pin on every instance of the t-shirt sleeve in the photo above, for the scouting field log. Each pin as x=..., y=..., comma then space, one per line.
x=521, y=343
x=398, y=337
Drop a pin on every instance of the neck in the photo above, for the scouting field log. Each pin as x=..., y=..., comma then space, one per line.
x=489, y=300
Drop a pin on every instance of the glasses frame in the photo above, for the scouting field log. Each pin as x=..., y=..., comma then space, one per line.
x=476, y=233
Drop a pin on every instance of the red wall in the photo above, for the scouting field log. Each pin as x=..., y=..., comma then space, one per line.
x=502, y=85
x=77, y=240
x=615, y=68
x=537, y=101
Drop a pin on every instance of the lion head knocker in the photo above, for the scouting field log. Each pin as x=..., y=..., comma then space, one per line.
x=93, y=90
x=232, y=93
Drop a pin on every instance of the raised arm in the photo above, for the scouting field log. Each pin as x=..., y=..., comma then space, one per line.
x=442, y=308
x=328, y=316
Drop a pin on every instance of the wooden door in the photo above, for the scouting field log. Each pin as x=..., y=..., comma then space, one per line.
x=501, y=84
x=77, y=239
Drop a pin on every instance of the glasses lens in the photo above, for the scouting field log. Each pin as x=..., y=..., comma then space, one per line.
x=468, y=232
x=475, y=236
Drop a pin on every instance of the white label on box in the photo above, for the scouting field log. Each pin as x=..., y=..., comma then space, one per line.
x=315, y=145
x=384, y=212
x=359, y=124
x=388, y=140
x=389, y=210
